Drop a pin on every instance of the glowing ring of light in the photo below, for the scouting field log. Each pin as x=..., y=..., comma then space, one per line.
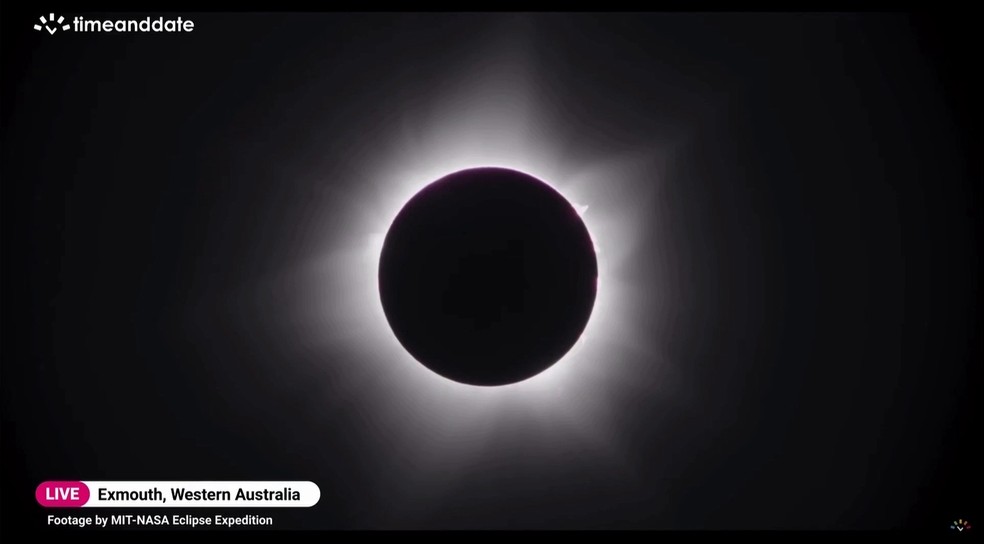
x=420, y=413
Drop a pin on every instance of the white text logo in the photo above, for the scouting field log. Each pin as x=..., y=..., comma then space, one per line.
x=79, y=24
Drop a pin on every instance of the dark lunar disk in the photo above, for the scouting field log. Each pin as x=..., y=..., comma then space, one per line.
x=488, y=276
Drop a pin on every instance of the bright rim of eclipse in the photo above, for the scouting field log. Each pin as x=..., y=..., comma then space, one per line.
x=553, y=374
x=435, y=258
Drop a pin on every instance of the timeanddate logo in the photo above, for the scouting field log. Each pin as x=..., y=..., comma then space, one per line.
x=51, y=24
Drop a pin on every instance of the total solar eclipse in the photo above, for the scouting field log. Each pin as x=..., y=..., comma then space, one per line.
x=488, y=276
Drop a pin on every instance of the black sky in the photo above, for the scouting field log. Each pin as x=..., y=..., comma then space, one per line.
x=821, y=200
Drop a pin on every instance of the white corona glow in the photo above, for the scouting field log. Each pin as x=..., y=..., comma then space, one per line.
x=424, y=170
x=551, y=379
x=493, y=119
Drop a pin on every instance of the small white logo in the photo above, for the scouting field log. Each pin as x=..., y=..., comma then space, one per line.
x=51, y=25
